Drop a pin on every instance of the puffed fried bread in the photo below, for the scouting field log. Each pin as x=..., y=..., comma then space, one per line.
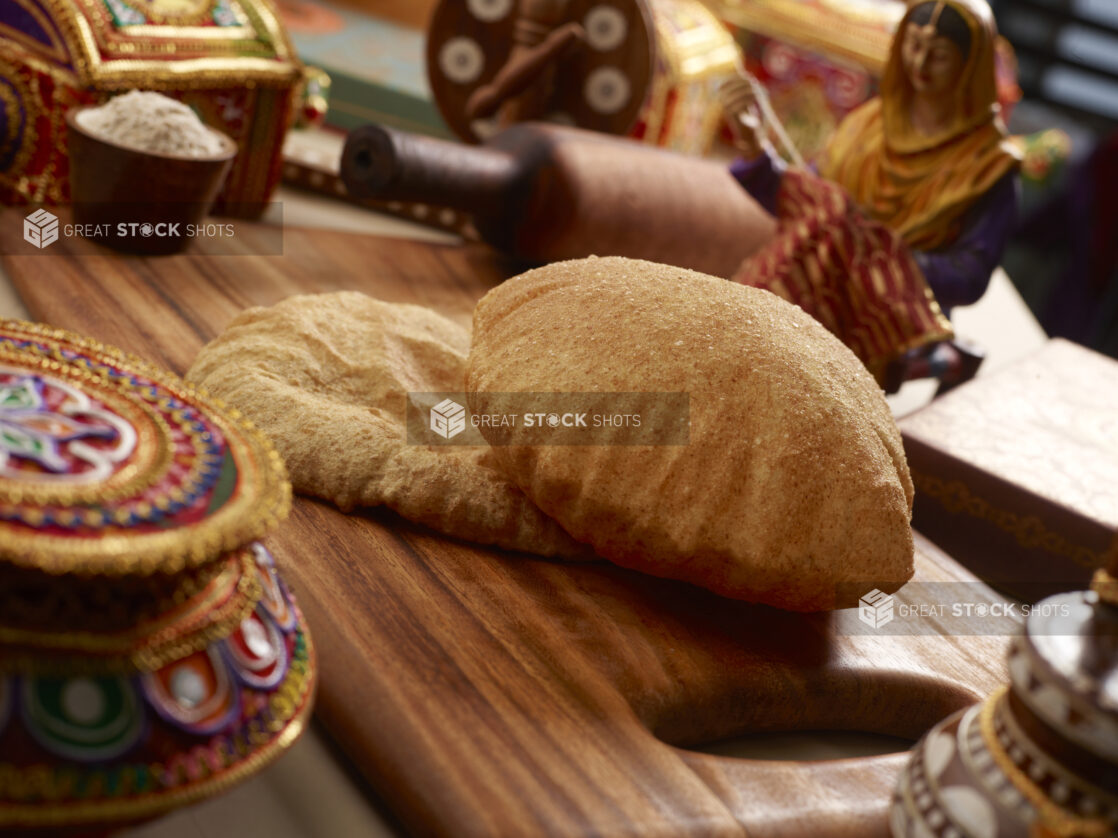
x=326, y=377
x=793, y=489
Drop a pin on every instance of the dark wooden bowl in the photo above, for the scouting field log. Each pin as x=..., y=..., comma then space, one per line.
x=122, y=195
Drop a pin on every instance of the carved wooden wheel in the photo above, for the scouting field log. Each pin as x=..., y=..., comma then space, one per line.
x=599, y=82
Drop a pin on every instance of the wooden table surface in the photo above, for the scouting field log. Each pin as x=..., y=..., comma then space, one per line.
x=487, y=693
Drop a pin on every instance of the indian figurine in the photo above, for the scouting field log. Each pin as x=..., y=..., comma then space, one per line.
x=913, y=198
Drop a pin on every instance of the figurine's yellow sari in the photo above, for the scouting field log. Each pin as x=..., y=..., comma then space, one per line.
x=843, y=251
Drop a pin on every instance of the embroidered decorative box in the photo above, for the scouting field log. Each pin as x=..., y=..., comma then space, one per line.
x=230, y=60
x=150, y=655
x=1015, y=472
x=696, y=55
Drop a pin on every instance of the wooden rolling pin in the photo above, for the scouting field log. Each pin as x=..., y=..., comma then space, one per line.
x=544, y=193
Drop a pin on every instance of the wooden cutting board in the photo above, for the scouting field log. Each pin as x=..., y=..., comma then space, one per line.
x=486, y=693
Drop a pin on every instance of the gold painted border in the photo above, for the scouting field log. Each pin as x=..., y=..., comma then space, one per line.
x=193, y=33
x=1029, y=531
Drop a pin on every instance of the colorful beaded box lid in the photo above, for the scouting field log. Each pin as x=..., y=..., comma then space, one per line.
x=230, y=60
x=150, y=655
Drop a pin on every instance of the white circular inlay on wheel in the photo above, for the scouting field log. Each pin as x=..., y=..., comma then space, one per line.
x=489, y=10
x=461, y=60
x=605, y=27
x=607, y=90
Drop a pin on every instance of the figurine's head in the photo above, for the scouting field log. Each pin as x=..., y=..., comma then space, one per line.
x=935, y=46
x=941, y=48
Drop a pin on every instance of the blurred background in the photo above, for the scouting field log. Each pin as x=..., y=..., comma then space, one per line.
x=1058, y=82
x=651, y=74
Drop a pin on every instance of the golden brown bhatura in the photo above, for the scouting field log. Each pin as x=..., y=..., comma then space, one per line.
x=793, y=484
x=326, y=377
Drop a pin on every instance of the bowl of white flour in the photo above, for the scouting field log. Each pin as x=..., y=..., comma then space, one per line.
x=144, y=171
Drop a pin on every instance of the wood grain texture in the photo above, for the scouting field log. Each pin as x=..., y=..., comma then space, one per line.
x=485, y=693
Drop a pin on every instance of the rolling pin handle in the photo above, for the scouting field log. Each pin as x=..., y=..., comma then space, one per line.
x=369, y=161
x=390, y=165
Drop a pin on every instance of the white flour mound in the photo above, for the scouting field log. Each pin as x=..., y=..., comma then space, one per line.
x=151, y=122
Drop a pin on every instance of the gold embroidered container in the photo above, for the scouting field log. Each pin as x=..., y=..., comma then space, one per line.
x=228, y=59
x=150, y=655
